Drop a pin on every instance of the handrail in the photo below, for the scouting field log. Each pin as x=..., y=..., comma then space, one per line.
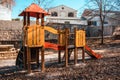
x=50, y=29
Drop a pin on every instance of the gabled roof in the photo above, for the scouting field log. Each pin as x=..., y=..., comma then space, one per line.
x=33, y=9
x=63, y=6
x=91, y=12
x=86, y=12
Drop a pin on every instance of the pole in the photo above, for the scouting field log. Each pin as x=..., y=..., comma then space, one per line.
x=66, y=47
x=75, y=50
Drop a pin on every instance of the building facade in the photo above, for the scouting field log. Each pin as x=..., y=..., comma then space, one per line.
x=5, y=11
x=112, y=18
x=64, y=15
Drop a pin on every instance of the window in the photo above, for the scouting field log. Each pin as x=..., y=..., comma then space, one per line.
x=67, y=22
x=7, y=5
x=70, y=14
x=83, y=18
x=62, y=8
x=54, y=14
x=92, y=23
x=105, y=22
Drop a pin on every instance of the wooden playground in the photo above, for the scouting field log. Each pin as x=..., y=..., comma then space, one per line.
x=34, y=41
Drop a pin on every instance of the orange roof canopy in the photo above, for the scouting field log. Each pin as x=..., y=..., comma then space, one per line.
x=33, y=9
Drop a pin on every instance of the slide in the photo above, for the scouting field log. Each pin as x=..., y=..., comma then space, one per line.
x=92, y=53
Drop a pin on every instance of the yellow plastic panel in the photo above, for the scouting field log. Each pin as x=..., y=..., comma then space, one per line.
x=80, y=38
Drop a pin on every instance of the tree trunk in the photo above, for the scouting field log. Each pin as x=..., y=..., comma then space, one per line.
x=102, y=34
x=102, y=21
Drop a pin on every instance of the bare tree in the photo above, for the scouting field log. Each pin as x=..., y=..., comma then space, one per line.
x=44, y=3
x=103, y=7
x=10, y=2
x=38, y=1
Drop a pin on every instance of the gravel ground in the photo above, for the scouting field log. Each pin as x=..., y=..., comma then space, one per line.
x=102, y=69
x=106, y=68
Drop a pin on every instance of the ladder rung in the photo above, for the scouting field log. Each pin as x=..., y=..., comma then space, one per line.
x=33, y=62
x=22, y=52
x=20, y=60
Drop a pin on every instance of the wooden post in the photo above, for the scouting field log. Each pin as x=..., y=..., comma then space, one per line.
x=37, y=55
x=42, y=50
x=66, y=47
x=37, y=18
x=68, y=55
x=28, y=19
x=68, y=31
x=75, y=50
x=24, y=20
x=29, y=60
x=28, y=23
x=37, y=22
x=42, y=60
x=28, y=49
x=42, y=20
x=59, y=52
x=83, y=54
x=59, y=56
x=24, y=35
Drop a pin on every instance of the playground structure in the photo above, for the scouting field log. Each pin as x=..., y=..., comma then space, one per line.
x=34, y=41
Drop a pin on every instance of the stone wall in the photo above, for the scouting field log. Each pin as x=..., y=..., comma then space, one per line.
x=10, y=30
x=10, y=35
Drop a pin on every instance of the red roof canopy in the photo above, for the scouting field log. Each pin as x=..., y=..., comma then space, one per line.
x=33, y=9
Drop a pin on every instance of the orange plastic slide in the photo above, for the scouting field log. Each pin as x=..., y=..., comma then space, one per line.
x=92, y=53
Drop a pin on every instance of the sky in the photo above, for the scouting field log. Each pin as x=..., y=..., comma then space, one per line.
x=20, y=5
